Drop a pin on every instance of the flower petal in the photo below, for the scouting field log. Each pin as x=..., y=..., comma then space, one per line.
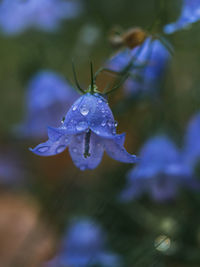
x=54, y=134
x=56, y=144
x=77, y=150
x=163, y=188
x=120, y=139
x=102, y=121
x=90, y=111
x=189, y=14
x=118, y=152
x=75, y=122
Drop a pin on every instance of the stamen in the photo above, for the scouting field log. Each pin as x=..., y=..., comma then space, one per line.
x=87, y=144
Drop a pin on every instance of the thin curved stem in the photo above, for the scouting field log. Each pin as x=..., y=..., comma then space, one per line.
x=76, y=80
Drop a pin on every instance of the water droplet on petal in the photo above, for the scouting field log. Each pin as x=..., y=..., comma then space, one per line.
x=110, y=123
x=100, y=101
x=60, y=149
x=103, y=110
x=116, y=123
x=84, y=110
x=97, y=132
x=66, y=139
x=74, y=108
x=103, y=123
x=82, y=125
x=63, y=120
x=74, y=149
x=43, y=149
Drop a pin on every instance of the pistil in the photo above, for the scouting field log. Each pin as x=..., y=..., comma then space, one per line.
x=87, y=144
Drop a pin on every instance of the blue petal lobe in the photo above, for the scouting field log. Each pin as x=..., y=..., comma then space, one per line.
x=120, y=139
x=75, y=122
x=55, y=145
x=163, y=188
x=77, y=150
x=101, y=121
x=118, y=152
x=54, y=133
x=189, y=14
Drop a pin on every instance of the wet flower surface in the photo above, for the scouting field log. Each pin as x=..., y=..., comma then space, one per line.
x=48, y=98
x=150, y=63
x=160, y=172
x=40, y=14
x=190, y=13
x=82, y=246
x=89, y=128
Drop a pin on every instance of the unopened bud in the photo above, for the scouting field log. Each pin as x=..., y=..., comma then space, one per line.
x=134, y=37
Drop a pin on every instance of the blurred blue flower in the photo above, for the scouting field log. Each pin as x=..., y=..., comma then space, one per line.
x=48, y=98
x=84, y=245
x=16, y=16
x=160, y=172
x=191, y=148
x=190, y=13
x=89, y=128
x=150, y=63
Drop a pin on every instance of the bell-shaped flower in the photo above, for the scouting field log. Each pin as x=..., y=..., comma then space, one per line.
x=83, y=245
x=48, y=98
x=160, y=172
x=16, y=16
x=190, y=13
x=191, y=149
x=89, y=128
x=150, y=62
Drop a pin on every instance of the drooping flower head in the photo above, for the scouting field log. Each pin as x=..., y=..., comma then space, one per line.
x=191, y=149
x=83, y=246
x=88, y=129
x=160, y=172
x=48, y=98
x=153, y=56
x=16, y=16
x=190, y=13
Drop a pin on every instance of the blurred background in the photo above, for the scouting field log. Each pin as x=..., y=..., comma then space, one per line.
x=53, y=214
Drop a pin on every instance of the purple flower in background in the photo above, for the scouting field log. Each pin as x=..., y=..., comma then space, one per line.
x=89, y=128
x=48, y=98
x=190, y=13
x=191, y=149
x=83, y=246
x=153, y=56
x=160, y=172
x=16, y=16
